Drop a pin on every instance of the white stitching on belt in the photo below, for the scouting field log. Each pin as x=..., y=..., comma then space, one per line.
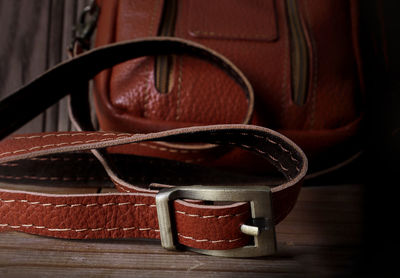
x=77, y=230
x=97, y=140
x=76, y=205
x=112, y=229
x=211, y=216
x=118, y=204
x=59, y=145
x=207, y=240
x=71, y=135
x=48, y=178
x=167, y=149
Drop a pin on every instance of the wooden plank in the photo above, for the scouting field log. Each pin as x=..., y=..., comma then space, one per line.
x=23, y=45
x=54, y=55
x=35, y=37
x=71, y=12
x=32, y=272
x=69, y=20
x=147, y=261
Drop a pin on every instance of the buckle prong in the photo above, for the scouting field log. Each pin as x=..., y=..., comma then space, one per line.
x=250, y=230
x=261, y=227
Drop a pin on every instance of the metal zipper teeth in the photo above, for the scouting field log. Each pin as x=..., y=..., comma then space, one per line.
x=164, y=63
x=299, y=54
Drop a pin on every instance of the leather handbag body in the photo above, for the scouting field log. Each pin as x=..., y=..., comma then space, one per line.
x=301, y=57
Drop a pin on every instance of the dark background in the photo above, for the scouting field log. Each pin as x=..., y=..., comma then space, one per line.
x=380, y=29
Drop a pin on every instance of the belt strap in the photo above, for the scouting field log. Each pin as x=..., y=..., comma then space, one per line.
x=146, y=212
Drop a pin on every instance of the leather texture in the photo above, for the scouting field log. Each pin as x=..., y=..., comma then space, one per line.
x=132, y=212
x=257, y=37
x=83, y=170
x=78, y=170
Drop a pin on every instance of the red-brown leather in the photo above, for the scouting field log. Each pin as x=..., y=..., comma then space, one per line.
x=127, y=216
x=127, y=100
x=133, y=213
x=130, y=216
x=129, y=95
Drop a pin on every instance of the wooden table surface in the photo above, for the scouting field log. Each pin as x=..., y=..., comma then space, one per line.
x=322, y=237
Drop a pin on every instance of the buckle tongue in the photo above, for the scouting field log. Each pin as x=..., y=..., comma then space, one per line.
x=261, y=227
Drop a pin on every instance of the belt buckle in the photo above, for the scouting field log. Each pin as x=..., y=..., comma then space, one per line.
x=262, y=227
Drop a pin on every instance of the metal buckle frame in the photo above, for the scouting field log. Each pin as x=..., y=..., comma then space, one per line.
x=260, y=201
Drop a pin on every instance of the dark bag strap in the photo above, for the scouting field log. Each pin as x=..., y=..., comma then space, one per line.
x=32, y=99
x=144, y=211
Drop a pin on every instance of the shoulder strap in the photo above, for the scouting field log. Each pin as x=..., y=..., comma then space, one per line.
x=66, y=77
x=133, y=212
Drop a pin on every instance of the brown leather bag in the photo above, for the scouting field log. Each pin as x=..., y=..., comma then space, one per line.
x=301, y=57
x=152, y=204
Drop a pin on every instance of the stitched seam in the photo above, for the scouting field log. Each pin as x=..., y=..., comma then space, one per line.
x=285, y=81
x=178, y=97
x=59, y=145
x=60, y=158
x=150, y=33
x=97, y=140
x=166, y=149
x=252, y=148
x=111, y=229
x=211, y=216
x=54, y=178
x=14, y=164
x=9, y=164
x=265, y=154
x=211, y=33
x=153, y=15
x=71, y=135
x=77, y=230
x=315, y=74
x=123, y=135
x=75, y=205
x=210, y=241
x=121, y=187
x=270, y=141
x=194, y=160
x=146, y=97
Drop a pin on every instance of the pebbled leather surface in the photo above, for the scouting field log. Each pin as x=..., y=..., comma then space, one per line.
x=119, y=216
x=133, y=213
x=334, y=97
x=128, y=89
x=233, y=20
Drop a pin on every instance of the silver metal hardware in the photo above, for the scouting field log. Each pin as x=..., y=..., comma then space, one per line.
x=86, y=25
x=261, y=227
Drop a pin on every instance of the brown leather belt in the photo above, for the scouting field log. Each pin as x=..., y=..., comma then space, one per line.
x=242, y=228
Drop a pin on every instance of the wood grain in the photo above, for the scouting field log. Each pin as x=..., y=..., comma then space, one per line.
x=35, y=36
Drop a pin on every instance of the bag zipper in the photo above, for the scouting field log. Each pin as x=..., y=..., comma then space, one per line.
x=299, y=51
x=164, y=63
x=299, y=54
